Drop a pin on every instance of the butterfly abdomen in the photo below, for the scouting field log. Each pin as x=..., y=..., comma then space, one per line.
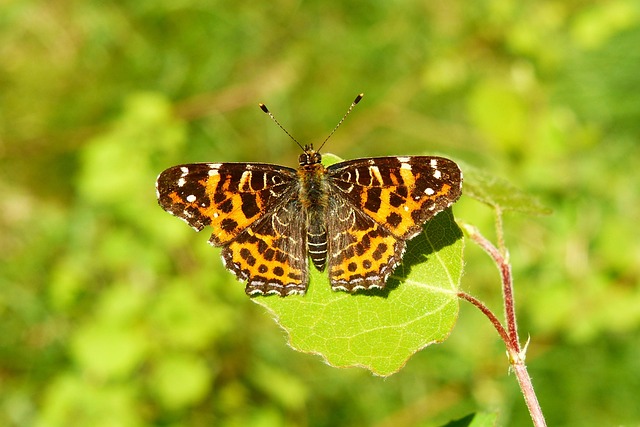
x=317, y=243
x=314, y=199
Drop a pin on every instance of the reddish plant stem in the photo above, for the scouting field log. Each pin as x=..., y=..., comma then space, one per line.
x=520, y=369
x=507, y=286
x=487, y=312
x=510, y=334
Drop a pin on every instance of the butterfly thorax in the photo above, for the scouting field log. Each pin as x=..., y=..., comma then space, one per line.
x=313, y=197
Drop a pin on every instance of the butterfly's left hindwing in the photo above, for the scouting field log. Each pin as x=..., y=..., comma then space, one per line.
x=362, y=253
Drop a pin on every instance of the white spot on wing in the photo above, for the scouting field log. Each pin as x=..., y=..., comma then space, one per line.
x=246, y=176
x=181, y=182
x=434, y=163
x=191, y=198
x=429, y=191
x=375, y=172
x=404, y=159
x=437, y=174
x=185, y=171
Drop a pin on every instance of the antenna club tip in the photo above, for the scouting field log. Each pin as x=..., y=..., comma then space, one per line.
x=263, y=107
x=358, y=98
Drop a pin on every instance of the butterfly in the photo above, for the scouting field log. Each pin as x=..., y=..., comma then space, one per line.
x=351, y=218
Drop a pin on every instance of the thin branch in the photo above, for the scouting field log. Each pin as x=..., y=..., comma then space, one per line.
x=487, y=312
x=507, y=284
x=520, y=369
x=510, y=335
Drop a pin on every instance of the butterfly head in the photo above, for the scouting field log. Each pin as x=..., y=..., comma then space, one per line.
x=310, y=156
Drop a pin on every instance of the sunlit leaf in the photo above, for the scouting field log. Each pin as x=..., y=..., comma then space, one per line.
x=380, y=330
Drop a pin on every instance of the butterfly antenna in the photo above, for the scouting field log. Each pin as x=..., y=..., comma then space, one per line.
x=353, y=104
x=266, y=110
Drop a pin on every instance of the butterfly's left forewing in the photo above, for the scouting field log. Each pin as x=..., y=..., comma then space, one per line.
x=399, y=193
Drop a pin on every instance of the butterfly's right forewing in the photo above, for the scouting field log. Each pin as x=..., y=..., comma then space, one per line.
x=227, y=196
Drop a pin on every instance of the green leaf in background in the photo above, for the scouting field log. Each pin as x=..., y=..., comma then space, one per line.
x=380, y=330
x=481, y=419
x=180, y=380
x=498, y=193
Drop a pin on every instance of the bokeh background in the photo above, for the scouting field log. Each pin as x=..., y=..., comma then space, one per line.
x=114, y=313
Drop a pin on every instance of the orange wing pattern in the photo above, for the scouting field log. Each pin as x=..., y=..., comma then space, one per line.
x=355, y=216
x=379, y=204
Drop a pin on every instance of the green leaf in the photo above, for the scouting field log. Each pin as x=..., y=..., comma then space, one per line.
x=498, y=193
x=379, y=330
x=481, y=419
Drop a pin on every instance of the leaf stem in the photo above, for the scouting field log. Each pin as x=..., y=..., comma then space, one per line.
x=487, y=312
x=507, y=284
x=509, y=334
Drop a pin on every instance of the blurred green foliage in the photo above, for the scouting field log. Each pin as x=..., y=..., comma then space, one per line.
x=114, y=313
